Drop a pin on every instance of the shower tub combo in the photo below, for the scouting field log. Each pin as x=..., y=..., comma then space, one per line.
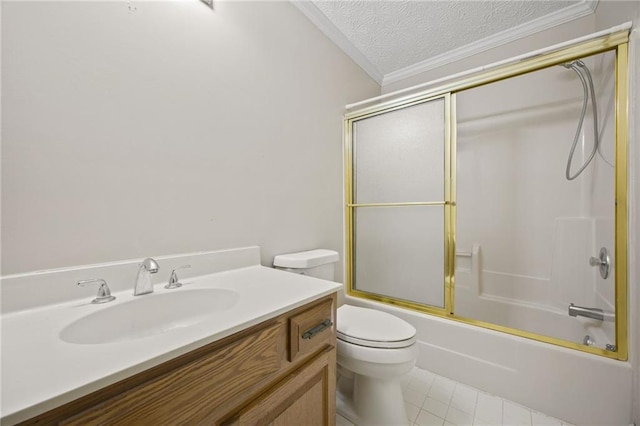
x=497, y=200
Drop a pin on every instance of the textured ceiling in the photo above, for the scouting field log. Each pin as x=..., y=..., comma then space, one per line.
x=393, y=35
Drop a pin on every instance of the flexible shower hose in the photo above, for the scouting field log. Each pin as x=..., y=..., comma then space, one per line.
x=578, y=66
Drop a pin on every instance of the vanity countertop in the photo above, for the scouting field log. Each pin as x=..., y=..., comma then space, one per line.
x=40, y=371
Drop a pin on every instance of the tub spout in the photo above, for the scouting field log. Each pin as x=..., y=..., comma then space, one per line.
x=593, y=313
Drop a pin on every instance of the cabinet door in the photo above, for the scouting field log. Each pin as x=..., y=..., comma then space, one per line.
x=307, y=409
x=191, y=393
x=305, y=397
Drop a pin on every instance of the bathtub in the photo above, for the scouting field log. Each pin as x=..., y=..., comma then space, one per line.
x=574, y=386
x=535, y=304
x=535, y=318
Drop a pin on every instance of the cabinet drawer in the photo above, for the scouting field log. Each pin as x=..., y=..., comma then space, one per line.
x=312, y=329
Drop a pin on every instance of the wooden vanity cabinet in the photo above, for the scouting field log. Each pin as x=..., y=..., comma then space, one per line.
x=268, y=374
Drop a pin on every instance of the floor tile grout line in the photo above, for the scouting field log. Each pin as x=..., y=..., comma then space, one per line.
x=424, y=394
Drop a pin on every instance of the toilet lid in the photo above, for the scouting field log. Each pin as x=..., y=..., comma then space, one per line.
x=374, y=329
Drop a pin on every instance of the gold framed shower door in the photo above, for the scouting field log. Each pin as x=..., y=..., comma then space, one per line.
x=617, y=42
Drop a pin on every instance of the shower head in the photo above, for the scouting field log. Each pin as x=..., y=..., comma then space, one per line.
x=573, y=64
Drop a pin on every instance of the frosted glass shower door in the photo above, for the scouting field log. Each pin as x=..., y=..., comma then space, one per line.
x=399, y=253
x=398, y=209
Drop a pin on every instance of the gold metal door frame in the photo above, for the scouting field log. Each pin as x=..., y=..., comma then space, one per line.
x=351, y=207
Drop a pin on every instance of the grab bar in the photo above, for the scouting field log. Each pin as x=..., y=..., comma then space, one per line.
x=593, y=313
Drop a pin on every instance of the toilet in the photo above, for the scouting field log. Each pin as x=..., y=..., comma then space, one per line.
x=375, y=350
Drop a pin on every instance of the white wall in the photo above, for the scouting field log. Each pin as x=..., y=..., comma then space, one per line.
x=151, y=128
x=634, y=240
x=607, y=15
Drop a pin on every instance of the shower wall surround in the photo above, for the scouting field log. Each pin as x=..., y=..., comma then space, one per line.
x=168, y=127
x=535, y=229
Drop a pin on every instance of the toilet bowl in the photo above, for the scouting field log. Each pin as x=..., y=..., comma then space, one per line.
x=374, y=350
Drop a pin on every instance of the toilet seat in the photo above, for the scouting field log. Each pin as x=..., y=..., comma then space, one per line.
x=373, y=329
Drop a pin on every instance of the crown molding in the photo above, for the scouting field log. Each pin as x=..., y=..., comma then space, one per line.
x=326, y=26
x=578, y=10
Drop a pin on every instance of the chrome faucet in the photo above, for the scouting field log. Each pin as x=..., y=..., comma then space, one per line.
x=143, y=279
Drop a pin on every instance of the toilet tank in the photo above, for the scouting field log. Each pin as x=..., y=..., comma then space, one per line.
x=319, y=263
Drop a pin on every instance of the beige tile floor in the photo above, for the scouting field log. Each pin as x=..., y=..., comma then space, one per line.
x=436, y=400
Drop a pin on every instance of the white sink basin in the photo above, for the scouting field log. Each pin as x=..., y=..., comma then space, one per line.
x=149, y=315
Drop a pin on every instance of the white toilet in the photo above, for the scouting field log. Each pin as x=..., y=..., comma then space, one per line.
x=375, y=350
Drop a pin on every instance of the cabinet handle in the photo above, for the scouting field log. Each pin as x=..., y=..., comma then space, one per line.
x=317, y=329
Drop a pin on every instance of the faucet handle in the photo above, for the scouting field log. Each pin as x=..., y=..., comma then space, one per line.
x=104, y=294
x=173, y=280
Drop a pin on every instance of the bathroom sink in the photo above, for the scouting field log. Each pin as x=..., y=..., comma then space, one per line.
x=149, y=315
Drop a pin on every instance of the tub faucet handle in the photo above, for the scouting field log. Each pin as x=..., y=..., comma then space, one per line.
x=594, y=261
x=603, y=262
x=104, y=294
x=173, y=280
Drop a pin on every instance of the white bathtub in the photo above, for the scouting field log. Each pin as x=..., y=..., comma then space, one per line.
x=534, y=318
x=534, y=304
x=570, y=385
